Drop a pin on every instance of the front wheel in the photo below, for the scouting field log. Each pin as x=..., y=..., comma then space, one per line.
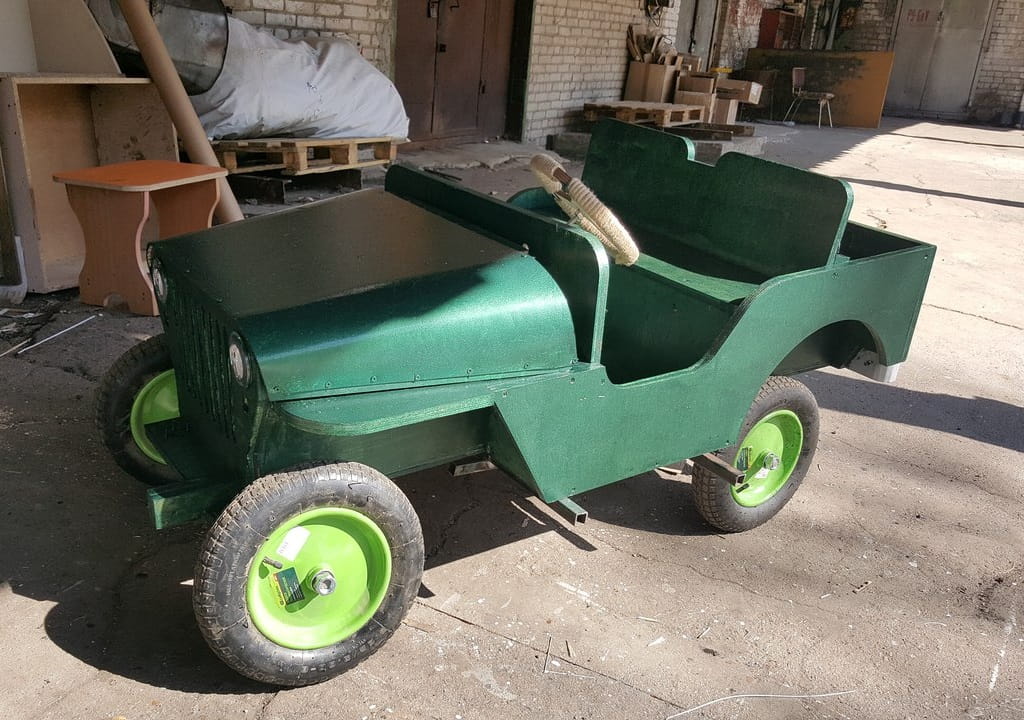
x=306, y=573
x=137, y=391
x=777, y=442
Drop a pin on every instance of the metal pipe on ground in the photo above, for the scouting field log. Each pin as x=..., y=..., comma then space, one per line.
x=172, y=92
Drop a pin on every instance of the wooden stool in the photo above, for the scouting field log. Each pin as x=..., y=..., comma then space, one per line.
x=112, y=203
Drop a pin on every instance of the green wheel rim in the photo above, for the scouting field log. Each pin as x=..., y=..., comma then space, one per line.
x=156, y=401
x=772, y=448
x=280, y=594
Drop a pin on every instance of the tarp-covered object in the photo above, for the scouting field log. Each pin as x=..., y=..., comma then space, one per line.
x=315, y=87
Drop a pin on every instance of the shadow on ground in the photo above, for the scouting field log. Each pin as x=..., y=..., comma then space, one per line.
x=978, y=418
x=122, y=591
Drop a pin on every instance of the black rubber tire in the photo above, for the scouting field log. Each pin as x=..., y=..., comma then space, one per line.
x=114, y=400
x=219, y=596
x=713, y=495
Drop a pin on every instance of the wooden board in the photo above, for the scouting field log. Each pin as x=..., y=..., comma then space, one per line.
x=660, y=114
x=140, y=175
x=68, y=40
x=9, y=270
x=134, y=126
x=301, y=156
x=51, y=123
x=858, y=79
x=711, y=131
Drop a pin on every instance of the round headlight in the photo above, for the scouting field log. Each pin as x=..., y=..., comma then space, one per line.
x=238, y=359
x=159, y=283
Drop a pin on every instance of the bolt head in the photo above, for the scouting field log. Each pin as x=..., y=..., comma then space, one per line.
x=324, y=583
x=772, y=461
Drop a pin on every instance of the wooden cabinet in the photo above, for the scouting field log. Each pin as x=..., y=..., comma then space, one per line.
x=54, y=122
x=780, y=30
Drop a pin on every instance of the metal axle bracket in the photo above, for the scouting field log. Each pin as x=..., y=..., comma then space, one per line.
x=714, y=464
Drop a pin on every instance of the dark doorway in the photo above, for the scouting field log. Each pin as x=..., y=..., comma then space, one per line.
x=452, y=67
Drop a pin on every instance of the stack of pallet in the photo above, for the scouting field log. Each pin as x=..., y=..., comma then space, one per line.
x=656, y=113
x=299, y=156
x=650, y=82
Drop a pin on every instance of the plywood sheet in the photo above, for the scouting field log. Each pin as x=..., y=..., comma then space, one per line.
x=132, y=124
x=57, y=130
x=858, y=79
x=68, y=40
x=50, y=123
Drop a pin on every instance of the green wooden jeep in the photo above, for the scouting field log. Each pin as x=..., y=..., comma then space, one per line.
x=311, y=354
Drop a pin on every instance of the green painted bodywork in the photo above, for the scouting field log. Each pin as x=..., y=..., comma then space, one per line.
x=424, y=323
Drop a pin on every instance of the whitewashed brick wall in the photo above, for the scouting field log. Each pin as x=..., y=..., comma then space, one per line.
x=999, y=91
x=999, y=87
x=578, y=55
x=873, y=31
x=365, y=22
x=740, y=23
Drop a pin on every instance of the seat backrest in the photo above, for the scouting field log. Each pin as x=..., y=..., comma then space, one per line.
x=768, y=218
x=799, y=79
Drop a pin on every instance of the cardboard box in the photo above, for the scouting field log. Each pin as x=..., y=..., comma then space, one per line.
x=742, y=90
x=650, y=83
x=691, y=62
x=707, y=100
x=698, y=82
x=724, y=111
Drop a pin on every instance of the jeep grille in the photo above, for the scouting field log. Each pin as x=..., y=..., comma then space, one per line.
x=201, y=360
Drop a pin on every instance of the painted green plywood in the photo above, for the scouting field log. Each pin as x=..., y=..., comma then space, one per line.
x=504, y=318
x=745, y=212
x=635, y=366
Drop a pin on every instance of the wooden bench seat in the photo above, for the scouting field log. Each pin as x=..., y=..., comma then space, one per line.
x=742, y=221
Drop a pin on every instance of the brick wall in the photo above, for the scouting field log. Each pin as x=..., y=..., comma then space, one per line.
x=999, y=86
x=873, y=28
x=577, y=55
x=365, y=22
x=999, y=90
x=739, y=23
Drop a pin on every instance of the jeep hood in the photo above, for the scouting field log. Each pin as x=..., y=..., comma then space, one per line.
x=503, y=319
x=369, y=292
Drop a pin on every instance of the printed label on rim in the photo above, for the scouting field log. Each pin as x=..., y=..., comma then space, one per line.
x=287, y=587
x=292, y=544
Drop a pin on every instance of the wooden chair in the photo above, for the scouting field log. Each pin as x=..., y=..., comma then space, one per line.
x=800, y=94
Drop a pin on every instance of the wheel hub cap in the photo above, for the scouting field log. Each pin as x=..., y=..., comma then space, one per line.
x=156, y=401
x=319, y=577
x=770, y=450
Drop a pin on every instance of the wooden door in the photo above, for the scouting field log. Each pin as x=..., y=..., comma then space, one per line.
x=452, y=66
x=938, y=46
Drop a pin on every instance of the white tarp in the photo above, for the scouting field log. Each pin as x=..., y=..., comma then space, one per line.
x=316, y=87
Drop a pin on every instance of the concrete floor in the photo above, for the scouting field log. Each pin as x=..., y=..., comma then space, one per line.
x=896, y=572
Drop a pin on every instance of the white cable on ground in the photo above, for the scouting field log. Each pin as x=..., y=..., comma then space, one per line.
x=740, y=697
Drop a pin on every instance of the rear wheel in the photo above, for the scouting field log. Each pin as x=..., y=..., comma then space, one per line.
x=777, y=442
x=306, y=573
x=138, y=390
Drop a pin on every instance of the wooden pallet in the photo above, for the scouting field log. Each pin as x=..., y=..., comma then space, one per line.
x=660, y=114
x=300, y=156
x=710, y=131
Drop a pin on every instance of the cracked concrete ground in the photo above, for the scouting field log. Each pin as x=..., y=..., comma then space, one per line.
x=895, y=572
